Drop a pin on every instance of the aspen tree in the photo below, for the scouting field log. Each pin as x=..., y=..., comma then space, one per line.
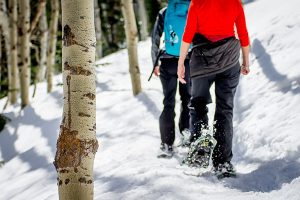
x=132, y=39
x=43, y=26
x=13, y=17
x=77, y=143
x=143, y=19
x=52, y=43
x=24, y=50
x=98, y=30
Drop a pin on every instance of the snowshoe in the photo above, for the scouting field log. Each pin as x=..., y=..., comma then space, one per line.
x=200, y=151
x=165, y=151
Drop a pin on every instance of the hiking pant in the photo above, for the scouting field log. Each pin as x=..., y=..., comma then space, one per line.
x=168, y=77
x=225, y=87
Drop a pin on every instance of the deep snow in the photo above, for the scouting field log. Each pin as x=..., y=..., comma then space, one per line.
x=266, y=127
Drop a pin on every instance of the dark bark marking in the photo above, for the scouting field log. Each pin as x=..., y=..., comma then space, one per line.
x=93, y=44
x=68, y=37
x=82, y=180
x=69, y=99
x=89, y=95
x=67, y=181
x=71, y=150
x=76, y=70
x=80, y=114
x=89, y=182
x=64, y=171
x=137, y=69
x=60, y=182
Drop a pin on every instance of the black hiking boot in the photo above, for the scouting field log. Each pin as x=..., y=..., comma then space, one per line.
x=224, y=170
x=165, y=151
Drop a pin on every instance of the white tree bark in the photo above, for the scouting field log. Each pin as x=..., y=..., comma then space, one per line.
x=25, y=51
x=132, y=39
x=13, y=17
x=43, y=26
x=77, y=143
x=52, y=43
x=143, y=19
x=0, y=58
x=98, y=30
x=4, y=26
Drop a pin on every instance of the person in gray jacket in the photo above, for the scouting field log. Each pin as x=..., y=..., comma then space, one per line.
x=167, y=72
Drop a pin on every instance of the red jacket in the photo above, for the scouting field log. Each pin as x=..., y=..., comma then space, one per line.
x=215, y=20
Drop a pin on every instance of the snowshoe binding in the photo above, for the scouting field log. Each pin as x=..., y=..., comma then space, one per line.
x=200, y=151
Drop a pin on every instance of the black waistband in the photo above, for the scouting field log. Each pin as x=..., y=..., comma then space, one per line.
x=200, y=40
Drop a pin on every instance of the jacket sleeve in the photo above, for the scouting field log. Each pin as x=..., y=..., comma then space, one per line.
x=157, y=33
x=241, y=27
x=191, y=24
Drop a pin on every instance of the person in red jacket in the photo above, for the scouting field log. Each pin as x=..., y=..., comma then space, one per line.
x=215, y=59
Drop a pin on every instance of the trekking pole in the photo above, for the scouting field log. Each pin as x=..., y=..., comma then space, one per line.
x=160, y=52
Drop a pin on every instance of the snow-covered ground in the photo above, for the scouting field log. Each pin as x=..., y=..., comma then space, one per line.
x=266, y=127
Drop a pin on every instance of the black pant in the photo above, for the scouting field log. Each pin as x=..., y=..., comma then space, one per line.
x=225, y=87
x=168, y=77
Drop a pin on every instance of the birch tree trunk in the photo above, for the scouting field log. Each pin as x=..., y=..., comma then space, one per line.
x=4, y=26
x=52, y=43
x=132, y=39
x=13, y=17
x=143, y=19
x=43, y=26
x=98, y=30
x=25, y=51
x=1, y=63
x=77, y=143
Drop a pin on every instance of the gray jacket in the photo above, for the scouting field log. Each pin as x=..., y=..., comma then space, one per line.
x=157, y=32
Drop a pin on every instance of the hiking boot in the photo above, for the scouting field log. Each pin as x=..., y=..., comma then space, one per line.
x=165, y=151
x=224, y=170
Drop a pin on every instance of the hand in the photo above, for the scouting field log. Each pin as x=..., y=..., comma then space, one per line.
x=156, y=71
x=245, y=69
x=181, y=72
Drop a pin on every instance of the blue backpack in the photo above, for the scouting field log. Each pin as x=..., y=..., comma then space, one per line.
x=174, y=25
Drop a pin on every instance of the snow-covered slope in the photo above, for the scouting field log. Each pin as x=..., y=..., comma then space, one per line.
x=266, y=125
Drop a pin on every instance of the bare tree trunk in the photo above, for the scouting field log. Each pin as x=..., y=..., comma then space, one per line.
x=132, y=39
x=25, y=51
x=13, y=17
x=52, y=43
x=98, y=30
x=1, y=59
x=4, y=26
x=43, y=26
x=77, y=143
x=143, y=19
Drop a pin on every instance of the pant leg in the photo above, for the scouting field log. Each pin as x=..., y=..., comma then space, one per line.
x=168, y=79
x=185, y=95
x=225, y=87
x=200, y=97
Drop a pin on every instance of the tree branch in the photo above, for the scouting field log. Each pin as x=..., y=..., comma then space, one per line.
x=42, y=4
